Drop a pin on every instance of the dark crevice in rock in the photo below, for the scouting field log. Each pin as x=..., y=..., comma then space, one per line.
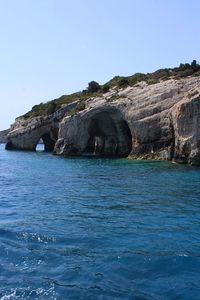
x=49, y=139
x=48, y=142
x=108, y=137
x=9, y=146
x=172, y=140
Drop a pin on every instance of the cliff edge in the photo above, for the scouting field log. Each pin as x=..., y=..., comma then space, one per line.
x=159, y=120
x=3, y=136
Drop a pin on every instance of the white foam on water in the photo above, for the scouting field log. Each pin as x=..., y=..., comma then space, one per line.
x=25, y=293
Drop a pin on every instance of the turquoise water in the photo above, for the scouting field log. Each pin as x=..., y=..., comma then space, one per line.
x=82, y=228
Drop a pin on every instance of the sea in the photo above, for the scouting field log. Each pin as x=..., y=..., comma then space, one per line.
x=92, y=228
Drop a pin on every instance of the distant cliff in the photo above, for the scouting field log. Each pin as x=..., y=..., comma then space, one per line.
x=3, y=136
x=144, y=116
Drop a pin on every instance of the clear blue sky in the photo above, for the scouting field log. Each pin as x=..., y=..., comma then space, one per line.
x=54, y=47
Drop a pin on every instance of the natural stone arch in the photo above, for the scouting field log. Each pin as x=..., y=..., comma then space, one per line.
x=29, y=139
x=48, y=142
x=102, y=132
x=49, y=139
x=108, y=134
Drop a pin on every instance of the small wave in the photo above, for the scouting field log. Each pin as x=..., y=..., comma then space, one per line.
x=28, y=292
x=71, y=286
x=35, y=237
x=183, y=254
x=26, y=236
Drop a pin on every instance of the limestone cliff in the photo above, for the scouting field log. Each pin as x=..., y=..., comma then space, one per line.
x=3, y=135
x=157, y=121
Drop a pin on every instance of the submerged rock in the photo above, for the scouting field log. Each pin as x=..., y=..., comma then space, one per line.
x=159, y=121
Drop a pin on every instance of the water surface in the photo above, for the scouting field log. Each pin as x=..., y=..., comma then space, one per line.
x=81, y=228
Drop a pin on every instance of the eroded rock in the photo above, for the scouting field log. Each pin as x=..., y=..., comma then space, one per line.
x=160, y=121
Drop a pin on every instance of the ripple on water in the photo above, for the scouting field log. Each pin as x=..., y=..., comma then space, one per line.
x=97, y=229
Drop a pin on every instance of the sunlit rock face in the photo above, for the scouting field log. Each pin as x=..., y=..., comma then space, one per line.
x=159, y=121
x=101, y=131
x=186, y=121
x=27, y=138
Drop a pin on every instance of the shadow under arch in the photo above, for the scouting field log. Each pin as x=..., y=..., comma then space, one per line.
x=108, y=135
x=48, y=143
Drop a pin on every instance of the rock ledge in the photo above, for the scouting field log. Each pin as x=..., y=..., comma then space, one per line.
x=160, y=121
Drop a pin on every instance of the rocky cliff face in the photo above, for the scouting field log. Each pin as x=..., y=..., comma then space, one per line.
x=159, y=121
x=3, y=135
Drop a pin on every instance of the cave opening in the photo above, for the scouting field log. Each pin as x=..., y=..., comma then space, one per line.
x=40, y=146
x=46, y=143
x=109, y=136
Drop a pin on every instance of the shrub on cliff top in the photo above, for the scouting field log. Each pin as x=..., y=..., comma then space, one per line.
x=80, y=106
x=105, y=88
x=93, y=87
x=123, y=82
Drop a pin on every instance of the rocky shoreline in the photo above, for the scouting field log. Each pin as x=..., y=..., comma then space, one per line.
x=158, y=121
x=3, y=136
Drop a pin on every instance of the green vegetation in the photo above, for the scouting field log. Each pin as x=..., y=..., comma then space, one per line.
x=184, y=70
x=105, y=88
x=44, y=109
x=94, y=89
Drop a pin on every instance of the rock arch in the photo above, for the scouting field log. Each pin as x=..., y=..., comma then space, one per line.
x=48, y=140
x=109, y=135
x=101, y=132
x=29, y=139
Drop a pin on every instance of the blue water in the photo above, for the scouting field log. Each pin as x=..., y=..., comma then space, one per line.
x=82, y=228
